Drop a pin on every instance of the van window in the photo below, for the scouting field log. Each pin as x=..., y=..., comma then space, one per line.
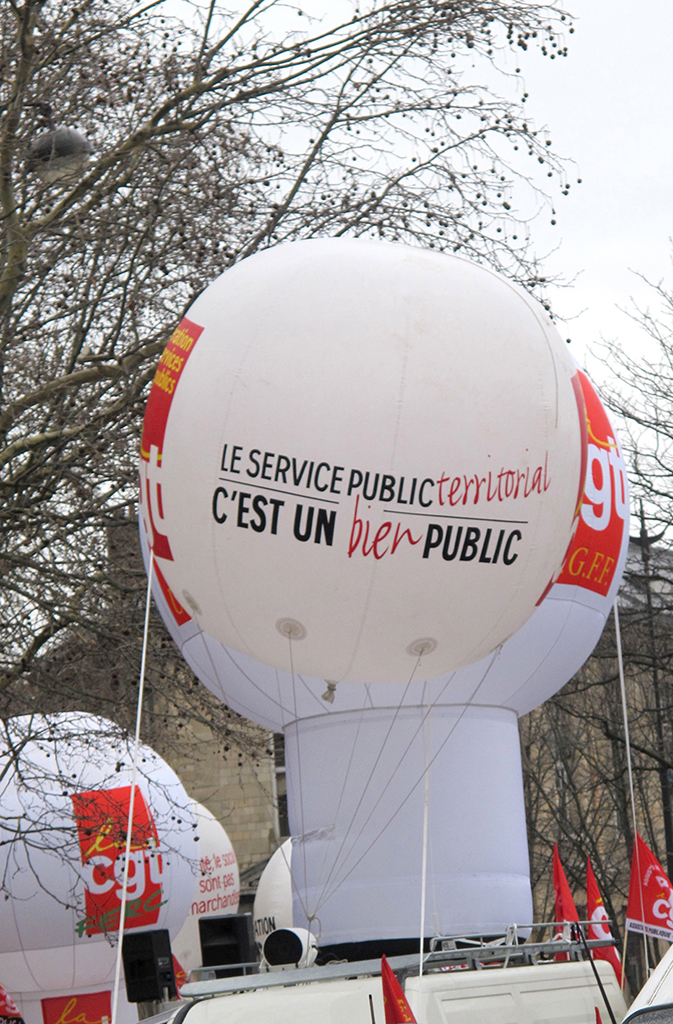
x=653, y=1015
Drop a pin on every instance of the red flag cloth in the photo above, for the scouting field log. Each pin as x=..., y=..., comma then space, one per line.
x=650, y=906
x=395, y=1002
x=8, y=1007
x=564, y=904
x=599, y=1019
x=599, y=927
x=180, y=974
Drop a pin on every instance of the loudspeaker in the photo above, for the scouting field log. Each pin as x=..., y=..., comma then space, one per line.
x=148, y=966
x=290, y=947
x=227, y=940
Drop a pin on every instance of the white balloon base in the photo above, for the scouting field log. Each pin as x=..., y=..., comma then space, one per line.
x=357, y=823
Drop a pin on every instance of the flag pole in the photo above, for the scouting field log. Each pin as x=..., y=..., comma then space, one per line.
x=622, y=684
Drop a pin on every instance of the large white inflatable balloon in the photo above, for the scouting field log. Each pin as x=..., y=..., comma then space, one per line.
x=355, y=809
x=272, y=908
x=216, y=887
x=65, y=804
x=356, y=455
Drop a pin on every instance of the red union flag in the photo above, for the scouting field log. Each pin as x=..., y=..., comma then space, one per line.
x=564, y=904
x=599, y=927
x=102, y=818
x=395, y=1002
x=89, y=1008
x=172, y=363
x=180, y=973
x=650, y=907
x=8, y=1007
x=592, y=557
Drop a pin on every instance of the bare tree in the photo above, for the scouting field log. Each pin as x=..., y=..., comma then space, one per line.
x=574, y=756
x=210, y=137
x=65, y=791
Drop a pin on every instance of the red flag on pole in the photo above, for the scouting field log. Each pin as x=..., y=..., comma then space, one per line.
x=650, y=907
x=599, y=928
x=564, y=903
x=395, y=1002
x=599, y=1019
x=8, y=1007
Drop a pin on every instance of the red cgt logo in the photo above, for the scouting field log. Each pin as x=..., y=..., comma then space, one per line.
x=102, y=819
x=593, y=555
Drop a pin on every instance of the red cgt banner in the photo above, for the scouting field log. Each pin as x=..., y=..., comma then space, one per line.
x=102, y=819
x=599, y=927
x=650, y=907
x=88, y=1008
x=592, y=558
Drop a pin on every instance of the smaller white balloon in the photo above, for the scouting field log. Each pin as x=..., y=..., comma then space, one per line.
x=70, y=788
x=273, y=900
x=216, y=889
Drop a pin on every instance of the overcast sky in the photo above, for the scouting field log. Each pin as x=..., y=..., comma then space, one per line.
x=608, y=105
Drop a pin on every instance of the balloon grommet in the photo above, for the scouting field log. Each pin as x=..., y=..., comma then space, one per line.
x=425, y=645
x=329, y=693
x=194, y=605
x=291, y=629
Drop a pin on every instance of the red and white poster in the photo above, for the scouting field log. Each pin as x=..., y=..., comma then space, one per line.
x=599, y=927
x=593, y=555
x=88, y=1008
x=650, y=907
x=102, y=819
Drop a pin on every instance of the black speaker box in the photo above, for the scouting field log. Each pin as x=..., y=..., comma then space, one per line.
x=148, y=966
x=227, y=940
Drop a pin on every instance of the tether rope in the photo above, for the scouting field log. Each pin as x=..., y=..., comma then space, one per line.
x=301, y=787
x=464, y=709
x=424, y=860
x=132, y=796
x=321, y=899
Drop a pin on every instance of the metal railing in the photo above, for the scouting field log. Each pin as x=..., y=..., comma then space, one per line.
x=471, y=952
x=222, y=971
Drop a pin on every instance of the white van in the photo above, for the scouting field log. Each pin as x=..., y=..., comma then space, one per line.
x=542, y=993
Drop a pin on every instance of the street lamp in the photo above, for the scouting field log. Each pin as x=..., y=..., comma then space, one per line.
x=59, y=153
